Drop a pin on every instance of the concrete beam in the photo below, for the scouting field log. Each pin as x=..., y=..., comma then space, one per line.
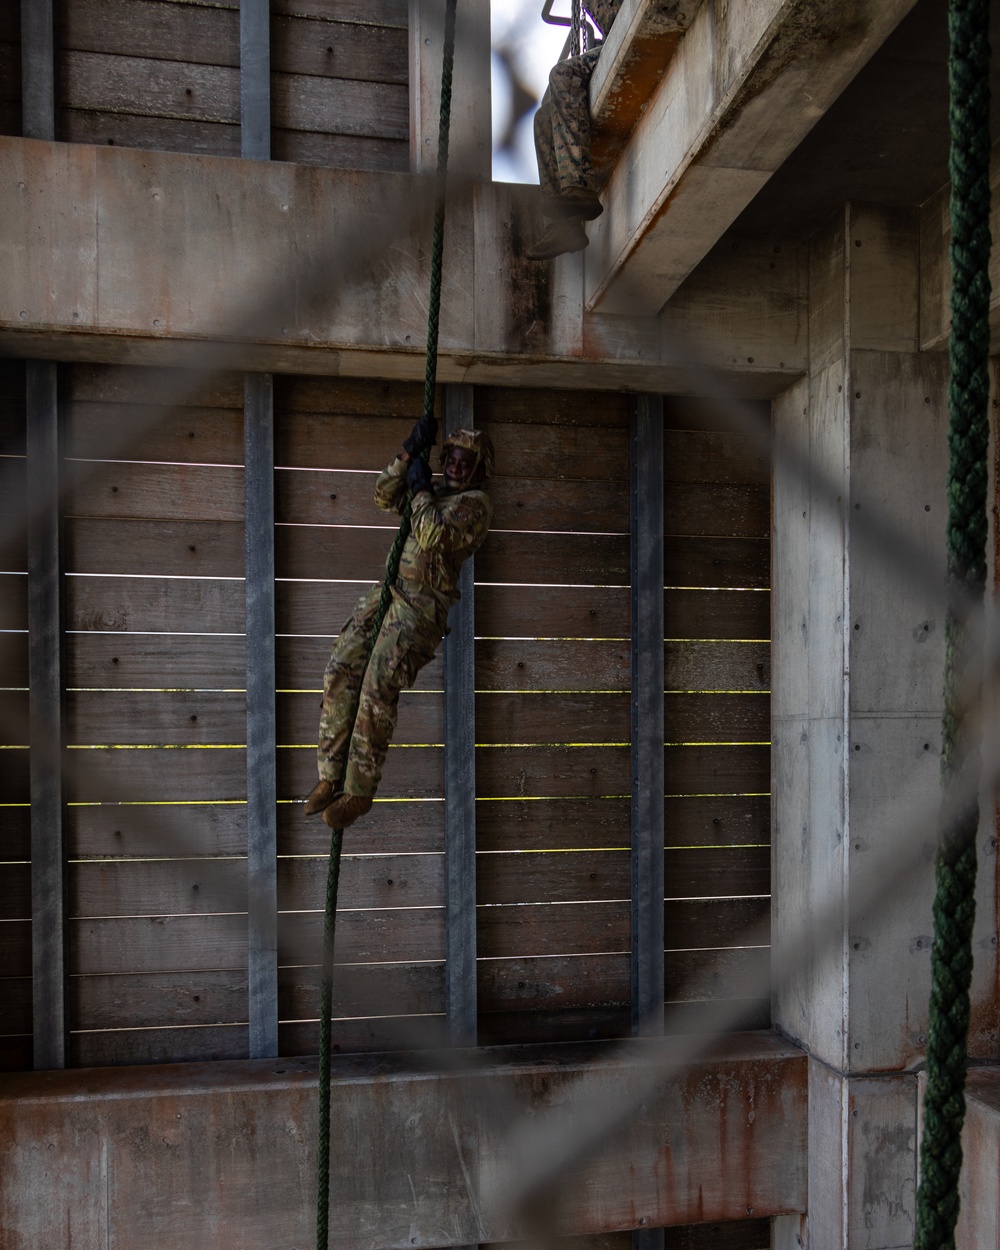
x=745, y=86
x=124, y=256
x=223, y=1153
x=935, y=265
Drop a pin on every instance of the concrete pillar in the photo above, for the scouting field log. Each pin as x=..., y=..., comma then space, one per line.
x=858, y=652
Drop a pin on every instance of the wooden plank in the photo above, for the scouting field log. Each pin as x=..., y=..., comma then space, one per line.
x=717, y=871
x=714, y=413
x=109, y=661
x=219, y=829
x=181, y=774
x=340, y=106
x=165, y=887
x=13, y=484
x=376, y=990
x=366, y=881
x=527, y=664
x=303, y=147
x=15, y=948
x=553, y=929
x=45, y=654
x=14, y=723
x=384, y=13
x=14, y=783
x=546, y=771
x=13, y=550
x=167, y=718
x=552, y=612
x=526, y=1028
x=717, y=718
x=326, y=398
x=580, y=876
x=105, y=422
x=742, y=614
x=155, y=774
x=158, y=1000
x=710, y=457
x=401, y=825
x=693, y=924
x=339, y=497
x=15, y=1006
x=551, y=451
x=363, y=1036
x=13, y=603
x=717, y=562
x=255, y=121
x=191, y=887
x=15, y=837
x=160, y=605
x=571, y=981
x=15, y=901
x=718, y=769
x=171, y=548
x=720, y=666
x=713, y=820
x=142, y=830
x=169, y=492
x=534, y=406
x=543, y=717
x=149, y=1046
x=169, y=943
x=145, y=384
x=326, y=49
x=197, y=34
x=152, y=88
x=15, y=1054
x=735, y=511
x=504, y=557
x=716, y=974
x=562, y=877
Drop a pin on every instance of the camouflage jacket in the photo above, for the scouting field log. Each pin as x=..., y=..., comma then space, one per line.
x=447, y=526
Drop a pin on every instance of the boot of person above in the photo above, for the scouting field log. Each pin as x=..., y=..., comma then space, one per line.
x=319, y=797
x=346, y=809
x=561, y=235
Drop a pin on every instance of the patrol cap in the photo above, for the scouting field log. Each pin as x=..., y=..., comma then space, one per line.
x=476, y=441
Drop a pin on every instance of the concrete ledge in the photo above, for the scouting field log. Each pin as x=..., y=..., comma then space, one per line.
x=197, y=1155
x=119, y=255
x=979, y=1219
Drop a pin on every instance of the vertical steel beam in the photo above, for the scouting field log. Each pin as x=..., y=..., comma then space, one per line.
x=646, y=530
x=460, y=785
x=46, y=731
x=255, y=79
x=38, y=69
x=258, y=447
x=262, y=795
x=45, y=623
x=647, y=715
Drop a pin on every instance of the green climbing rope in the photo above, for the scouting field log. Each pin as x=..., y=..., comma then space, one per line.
x=968, y=437
x=391, y=571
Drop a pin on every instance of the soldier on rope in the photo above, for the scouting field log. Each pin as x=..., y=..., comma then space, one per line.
x=448, y=524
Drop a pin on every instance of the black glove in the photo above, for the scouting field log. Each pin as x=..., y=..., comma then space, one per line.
x=418, y=476
x=424, y=435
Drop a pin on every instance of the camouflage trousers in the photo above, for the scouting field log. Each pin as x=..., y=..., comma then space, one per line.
x=353, y=761
x=562, y=127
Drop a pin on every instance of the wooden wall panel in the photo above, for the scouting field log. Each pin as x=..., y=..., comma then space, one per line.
x=339, y=85
x=10, y=69
x=553, y=672
x=165, y=75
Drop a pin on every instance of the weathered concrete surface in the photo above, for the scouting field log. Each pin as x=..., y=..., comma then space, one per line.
x=745, y=85
x=222, y=1155
x=120, y=255
x=978, y=1225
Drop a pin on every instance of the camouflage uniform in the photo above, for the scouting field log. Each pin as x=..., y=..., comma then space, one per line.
x=447, y=527
x=562, y=123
